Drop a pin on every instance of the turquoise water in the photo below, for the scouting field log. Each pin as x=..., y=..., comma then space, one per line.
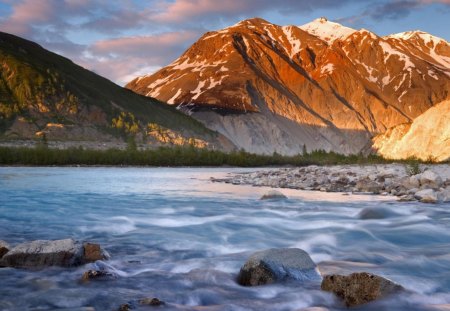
x=174, y=235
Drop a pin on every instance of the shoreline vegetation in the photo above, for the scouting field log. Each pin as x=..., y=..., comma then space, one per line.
x=42, y=155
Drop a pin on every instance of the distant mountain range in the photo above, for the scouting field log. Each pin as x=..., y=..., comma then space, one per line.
x=271, y=88
x=44, y=94
x=255, y=86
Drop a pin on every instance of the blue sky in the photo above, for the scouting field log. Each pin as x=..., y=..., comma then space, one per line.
x=126, y=38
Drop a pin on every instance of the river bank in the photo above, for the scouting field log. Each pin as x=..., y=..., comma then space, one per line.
x=424, y=183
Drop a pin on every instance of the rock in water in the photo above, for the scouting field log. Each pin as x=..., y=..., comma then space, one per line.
x=41, y=253
x=151, y=302
x=276, y=264
x=359, y=288
x=97, y=275
x=4, y=248
x=125, y=307
x=375, y=213
x=273, y=194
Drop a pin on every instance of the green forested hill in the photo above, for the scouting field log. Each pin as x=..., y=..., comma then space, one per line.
x=42, y=93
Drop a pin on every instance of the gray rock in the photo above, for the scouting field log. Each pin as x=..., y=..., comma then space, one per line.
x=427, y=196
x=367, y=185
x=273, y=194
x=406, y=198
x=412, y=191
x=444, y=194
x=430, y=179
x=4, y=248
x=359, y=288
x=411, y=182
x=276, y=264
x=42, y=253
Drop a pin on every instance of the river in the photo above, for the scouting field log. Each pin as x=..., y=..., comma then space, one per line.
x=175, y=235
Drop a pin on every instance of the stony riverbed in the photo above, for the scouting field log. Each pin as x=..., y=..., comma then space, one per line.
x=430, y=185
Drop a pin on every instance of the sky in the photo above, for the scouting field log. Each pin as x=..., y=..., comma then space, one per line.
x=123, y=39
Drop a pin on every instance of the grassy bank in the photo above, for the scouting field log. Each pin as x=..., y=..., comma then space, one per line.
x=177, y=156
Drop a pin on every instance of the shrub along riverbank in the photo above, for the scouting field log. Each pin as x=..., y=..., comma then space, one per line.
x=175, y=156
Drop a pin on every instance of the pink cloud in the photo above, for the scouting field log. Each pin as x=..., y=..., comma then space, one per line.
x=26, y=13
x=181, y=10
x=145, y=45
x=122, y=59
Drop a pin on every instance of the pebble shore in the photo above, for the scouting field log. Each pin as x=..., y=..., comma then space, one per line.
x=431, y=185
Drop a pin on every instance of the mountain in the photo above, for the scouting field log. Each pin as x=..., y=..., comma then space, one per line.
x=321, y=85
x=427, y=137
x=44, y=94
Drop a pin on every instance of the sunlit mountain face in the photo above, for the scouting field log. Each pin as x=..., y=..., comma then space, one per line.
x=272, y=88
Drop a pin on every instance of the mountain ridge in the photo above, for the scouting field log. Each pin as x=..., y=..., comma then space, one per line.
x=332, y=94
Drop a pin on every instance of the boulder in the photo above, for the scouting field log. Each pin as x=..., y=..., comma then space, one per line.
x=274, y=264
x=430, y=179
x=42, y=253
x=4, y=248
x=367, y=185
x=411, y=182
x=359, y=288
x=427, y=196
x=444, y=195
x=273, y=194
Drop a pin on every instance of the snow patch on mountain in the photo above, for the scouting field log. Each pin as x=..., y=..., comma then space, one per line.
x=198, y=91
x=390, y=51
x=327, y=69
x=294, y=42
x=177, y=94
x=370, y=70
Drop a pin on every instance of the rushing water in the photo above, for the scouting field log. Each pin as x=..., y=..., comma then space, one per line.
x=174, y=235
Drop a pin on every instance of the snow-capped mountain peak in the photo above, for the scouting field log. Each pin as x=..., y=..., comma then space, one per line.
x=418, y=34
x=327, y=30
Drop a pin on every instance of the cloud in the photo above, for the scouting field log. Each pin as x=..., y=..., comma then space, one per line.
x=168, y=43
x=203, y=10
x=127, y=57
x=25, y=14
x=393, y=10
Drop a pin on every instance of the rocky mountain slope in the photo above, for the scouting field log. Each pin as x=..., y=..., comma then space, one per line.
x=45, y=95
x=322, y=85
x=427, y=137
